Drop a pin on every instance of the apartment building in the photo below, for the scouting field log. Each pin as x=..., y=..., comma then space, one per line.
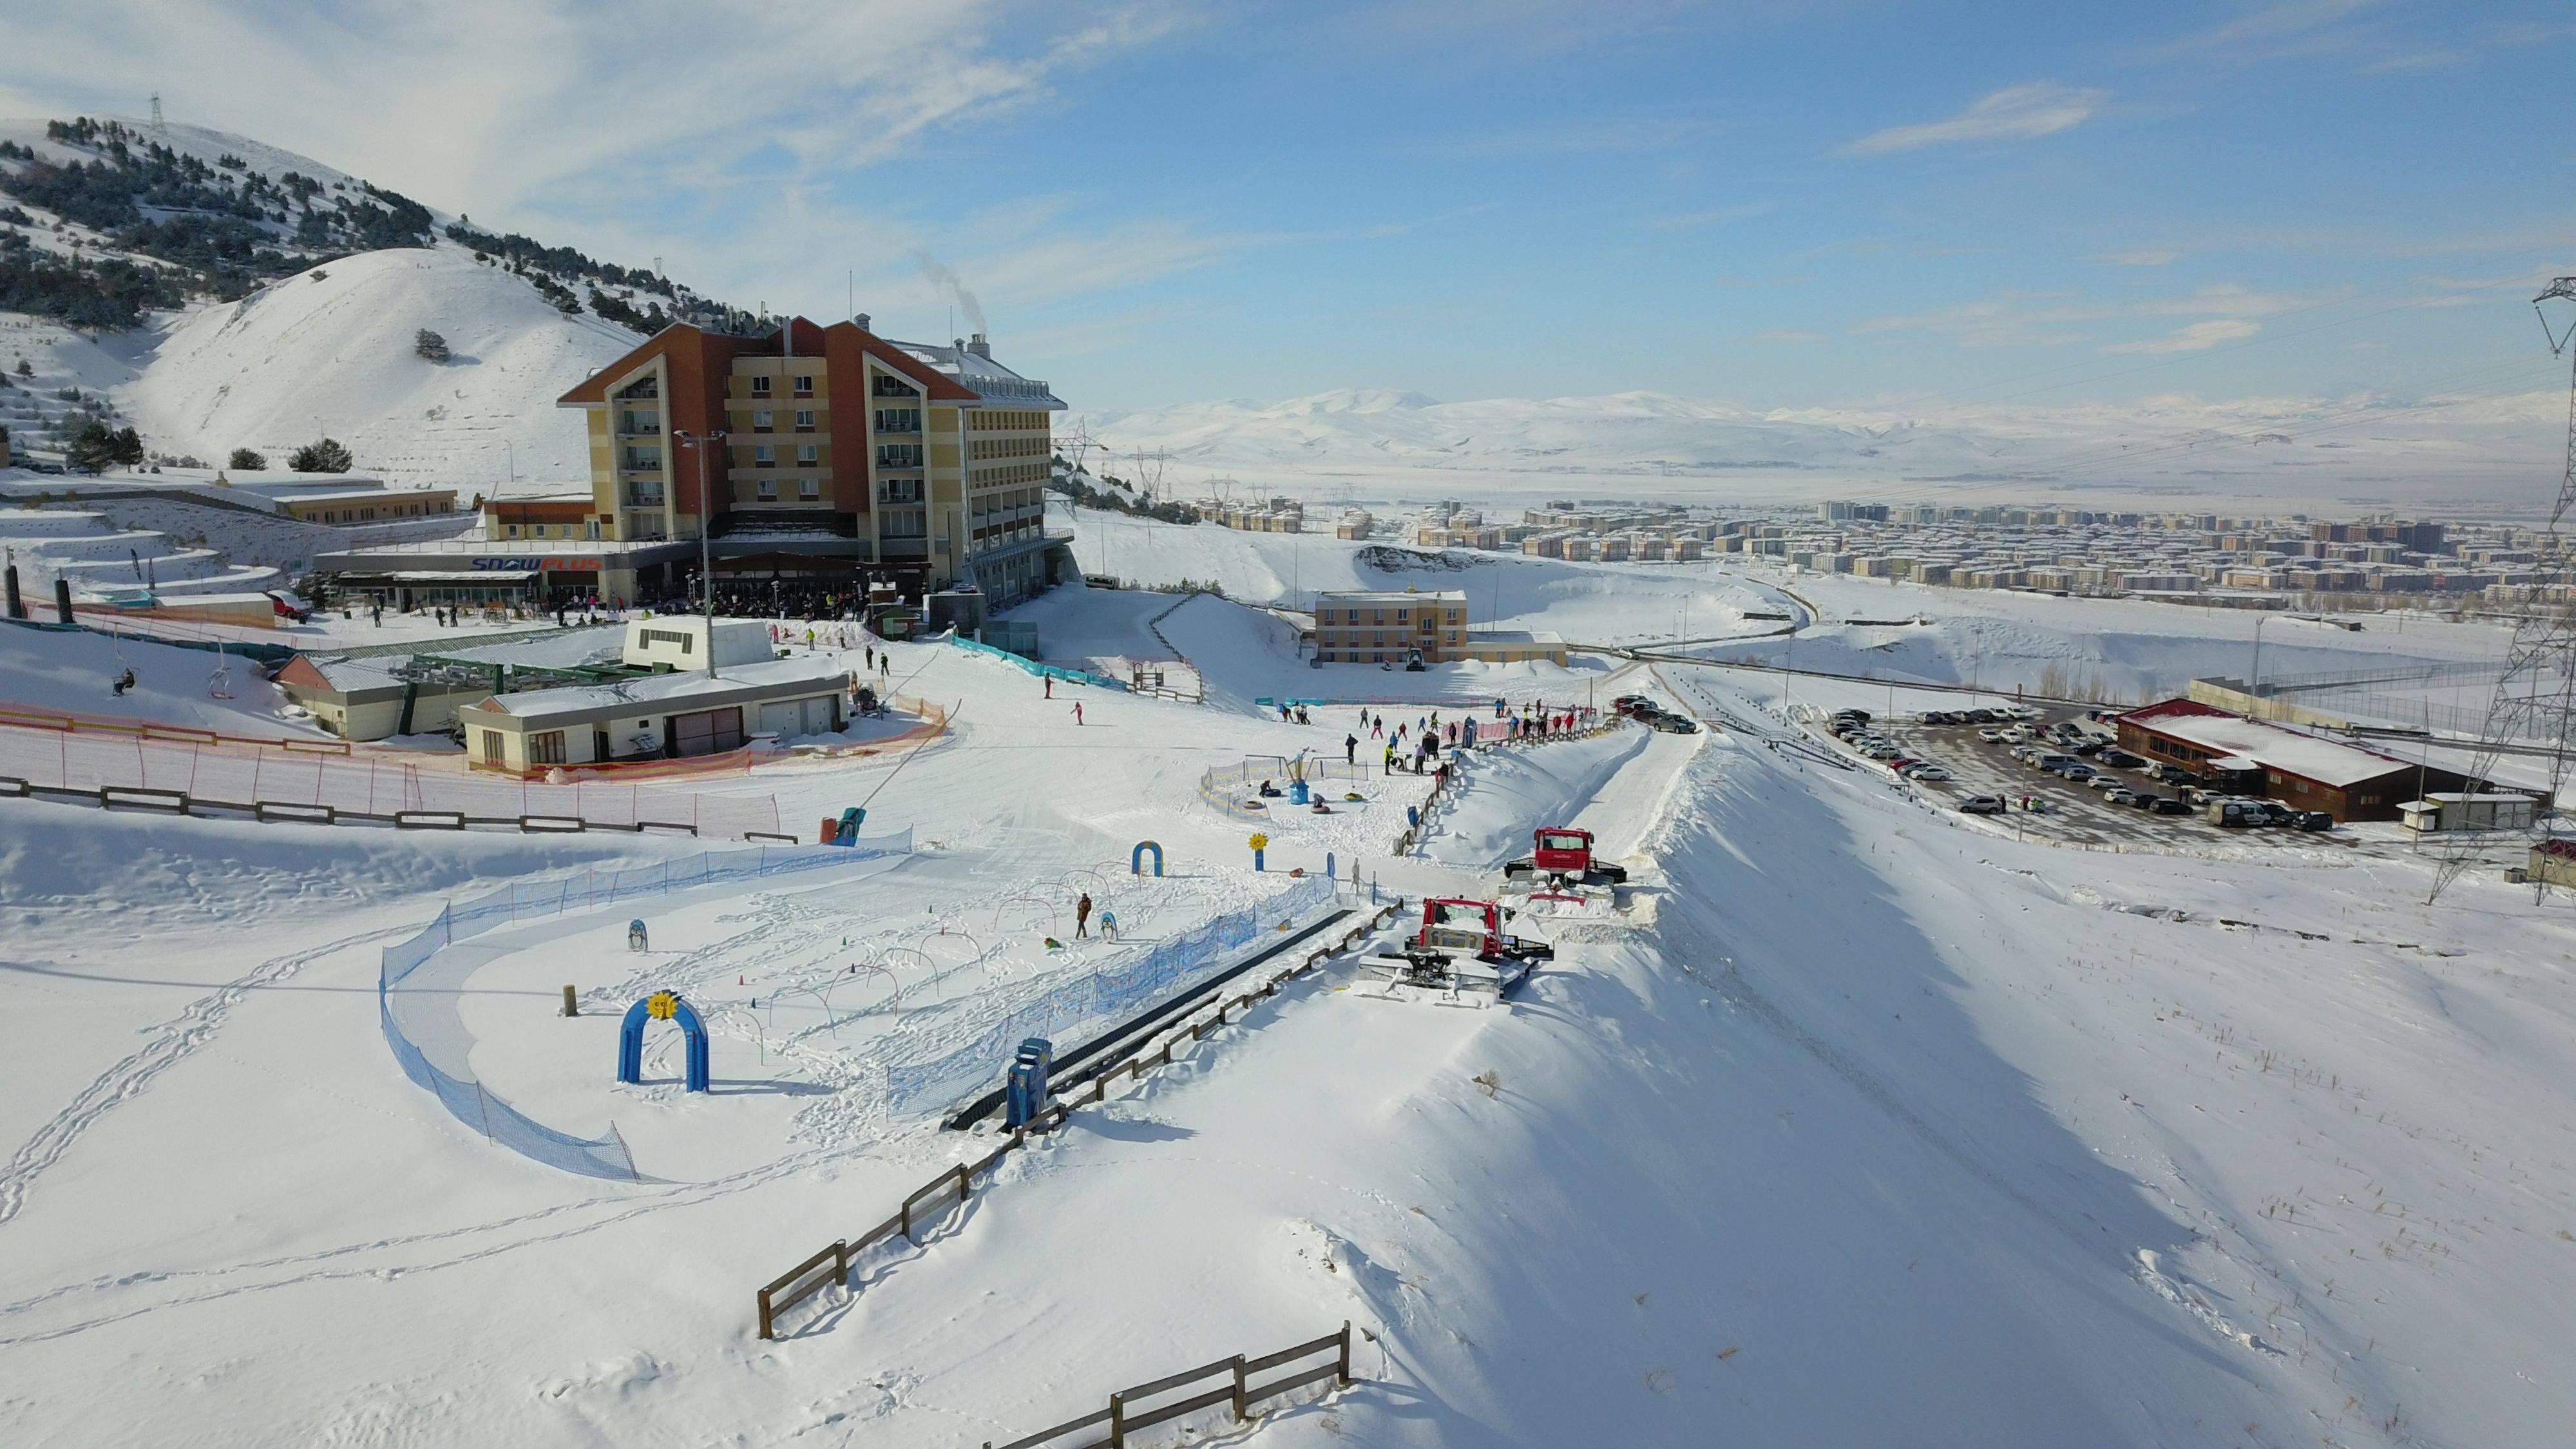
x=1385, y=627
x=846, y=456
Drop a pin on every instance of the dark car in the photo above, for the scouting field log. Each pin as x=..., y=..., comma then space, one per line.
x=2311, y=820
x=2168, y=805
x=2174, y=774
x=2087, y=747
x=2119, y=758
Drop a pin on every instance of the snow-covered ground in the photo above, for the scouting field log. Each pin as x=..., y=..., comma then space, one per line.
x=1862, y=1125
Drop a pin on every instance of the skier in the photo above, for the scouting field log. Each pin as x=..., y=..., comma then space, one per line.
x=1050, y=686
x=1377, y=728
x=1390, y=761
x=1077, y=714
x=1350, y=749
x=872, y=656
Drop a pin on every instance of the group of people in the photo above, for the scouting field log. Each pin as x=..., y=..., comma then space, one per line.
x=1430, y=733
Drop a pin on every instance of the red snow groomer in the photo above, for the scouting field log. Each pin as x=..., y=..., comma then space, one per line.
x=1460, y=956
x=1563, y=857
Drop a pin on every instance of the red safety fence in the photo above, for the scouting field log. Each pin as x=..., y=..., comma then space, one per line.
x=28, y=716
x=249, y=774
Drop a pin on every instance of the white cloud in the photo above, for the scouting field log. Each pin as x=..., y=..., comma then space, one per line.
x=2197, y=337
x=2417, y=61
x=2015, y=113
x=2291, y=27
x=722, y=136
x=2145, y=257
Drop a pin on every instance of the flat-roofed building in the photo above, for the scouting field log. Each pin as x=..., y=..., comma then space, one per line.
x=1386, y=627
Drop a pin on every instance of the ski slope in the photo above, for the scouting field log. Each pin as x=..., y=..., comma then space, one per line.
x=1875, y=1129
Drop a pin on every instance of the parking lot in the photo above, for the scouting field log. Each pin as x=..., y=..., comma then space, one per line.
x=2070, y=812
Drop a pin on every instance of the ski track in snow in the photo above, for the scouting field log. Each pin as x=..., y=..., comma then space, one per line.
x=173, y=1042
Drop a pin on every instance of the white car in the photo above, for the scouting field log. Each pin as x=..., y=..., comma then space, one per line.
x=1927, y=773
x=1992, y=737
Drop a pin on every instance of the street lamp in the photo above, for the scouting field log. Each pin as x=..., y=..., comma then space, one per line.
x=705, y=443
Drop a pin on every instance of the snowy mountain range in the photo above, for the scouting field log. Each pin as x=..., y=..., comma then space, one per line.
x=2357, y=448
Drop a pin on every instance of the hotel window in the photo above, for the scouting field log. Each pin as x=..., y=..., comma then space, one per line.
x=768, y=490
x=760, y=387
x=805, y=384
x=805, y=420
x=809, y=489
x=807, y=452
x=761, y=419
x=764, y=456
x=514, y=530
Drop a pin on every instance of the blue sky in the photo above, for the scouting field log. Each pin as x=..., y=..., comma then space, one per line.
x=1781, y=204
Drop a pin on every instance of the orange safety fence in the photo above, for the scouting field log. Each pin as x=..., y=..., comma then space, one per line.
x=250, y=773
x=37, y=717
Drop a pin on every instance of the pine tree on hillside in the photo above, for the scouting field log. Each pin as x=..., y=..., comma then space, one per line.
x=248, y=461
x=26, y=368
x=128, y=446
x=326, y=456
x=92, y=450
x=430, y=345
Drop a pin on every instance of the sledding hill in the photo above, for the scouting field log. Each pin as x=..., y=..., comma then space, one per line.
x=334, y=347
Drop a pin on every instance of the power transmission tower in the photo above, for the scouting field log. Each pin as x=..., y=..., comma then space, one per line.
x=156, y=112
x=2535, y=699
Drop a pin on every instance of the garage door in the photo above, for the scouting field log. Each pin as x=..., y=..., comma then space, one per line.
x=707, y=732
x=784, y=719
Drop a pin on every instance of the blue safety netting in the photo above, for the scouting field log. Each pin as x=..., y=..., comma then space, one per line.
x=454, y=1086
x=1111, y=991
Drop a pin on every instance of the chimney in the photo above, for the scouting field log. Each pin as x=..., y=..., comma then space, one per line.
x=979, y=346
x=862, y=321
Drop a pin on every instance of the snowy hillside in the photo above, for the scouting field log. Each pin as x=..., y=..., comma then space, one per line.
x=332, y=350
x=215, y=293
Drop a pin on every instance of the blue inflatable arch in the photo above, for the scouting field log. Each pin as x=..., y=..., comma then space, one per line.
x=630, y=1038
x=1136, y=860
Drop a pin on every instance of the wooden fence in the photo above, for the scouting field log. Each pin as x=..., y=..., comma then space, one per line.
x=808, y=1278
x=1129, y=1409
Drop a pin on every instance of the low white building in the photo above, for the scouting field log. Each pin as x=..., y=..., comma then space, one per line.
x=673, y=715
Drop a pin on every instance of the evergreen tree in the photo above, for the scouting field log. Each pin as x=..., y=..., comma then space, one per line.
x=128, y=446
x=430, y=345
x=248, y=461
x=326, y=456
x=92, y=450
x=26, y=368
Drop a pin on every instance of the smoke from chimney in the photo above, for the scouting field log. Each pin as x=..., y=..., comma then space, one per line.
x=954, y=286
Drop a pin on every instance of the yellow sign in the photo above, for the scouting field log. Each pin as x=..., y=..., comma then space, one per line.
x=1260, y=842
x=661, y=1006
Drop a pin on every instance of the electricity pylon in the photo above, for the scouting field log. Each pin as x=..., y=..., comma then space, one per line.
x=2535, y=699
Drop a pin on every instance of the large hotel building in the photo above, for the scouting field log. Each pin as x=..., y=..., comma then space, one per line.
x=846, y=457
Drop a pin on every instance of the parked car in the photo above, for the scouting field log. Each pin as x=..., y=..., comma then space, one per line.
x=2088, y=747
x=2174, y=774
x=1859, y=714
x=2077, y=772
x=1984, y=716
x=2168, y=805
x=1983, y=805
x=2104, y=783
x=1672, y=724
x=1928, y=773
x=2143, y=799
x=1992, y=737
x=2311, y=820
x=2118, y=795
x=2118, y=758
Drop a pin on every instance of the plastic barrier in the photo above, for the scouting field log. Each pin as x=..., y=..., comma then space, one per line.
x=454, y=1085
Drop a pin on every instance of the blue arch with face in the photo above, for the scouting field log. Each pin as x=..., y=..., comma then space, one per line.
x=1136, y=860
x=630, y=1043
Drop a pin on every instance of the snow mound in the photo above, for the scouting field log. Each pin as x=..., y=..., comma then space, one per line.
x=333, y=349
